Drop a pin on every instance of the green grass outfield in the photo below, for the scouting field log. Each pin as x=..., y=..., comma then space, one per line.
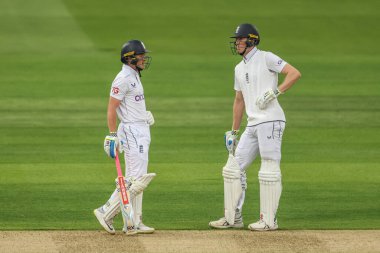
x=58, y=58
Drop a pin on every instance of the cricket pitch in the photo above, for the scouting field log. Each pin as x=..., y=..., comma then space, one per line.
x=215, y=241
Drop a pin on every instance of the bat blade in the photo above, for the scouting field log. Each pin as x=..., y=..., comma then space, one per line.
x=125, y=205
x=123, y=191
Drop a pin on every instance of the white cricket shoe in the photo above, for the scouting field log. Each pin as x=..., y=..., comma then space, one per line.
x=260, y=225
x=222, y=223
x=106, y=224
x=129, y=231
x=143, y=229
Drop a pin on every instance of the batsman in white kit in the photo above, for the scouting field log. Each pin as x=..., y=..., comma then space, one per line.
x=257, y=90
x=132, y=136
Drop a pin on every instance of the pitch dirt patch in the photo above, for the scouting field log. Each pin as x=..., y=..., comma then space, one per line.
x=214, y=241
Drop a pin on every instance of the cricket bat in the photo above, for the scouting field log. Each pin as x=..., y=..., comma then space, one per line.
x=125, y=205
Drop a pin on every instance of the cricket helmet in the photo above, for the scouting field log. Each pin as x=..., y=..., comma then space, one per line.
x=248, y=31
x=131, y=49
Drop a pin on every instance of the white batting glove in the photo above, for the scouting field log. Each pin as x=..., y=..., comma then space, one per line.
x=268, y=96
x=111, y=145
x=231, y=141
x=149, y=118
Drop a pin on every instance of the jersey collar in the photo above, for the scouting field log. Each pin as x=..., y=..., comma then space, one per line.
x=128, y=68
x=249, y=56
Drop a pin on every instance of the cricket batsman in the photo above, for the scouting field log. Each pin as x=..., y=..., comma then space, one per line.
x=127, y=103
x=257, y=91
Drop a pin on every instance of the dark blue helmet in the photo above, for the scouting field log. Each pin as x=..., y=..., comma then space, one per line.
x=131, y=49
x=248, y=31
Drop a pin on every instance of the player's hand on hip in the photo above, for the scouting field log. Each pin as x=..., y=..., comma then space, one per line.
x=268, y=96
x=231, y=141
x=149, y=118
x=112, y=145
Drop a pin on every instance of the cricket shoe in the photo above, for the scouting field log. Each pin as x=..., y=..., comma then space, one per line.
x=222, y=223
x=260, y=225
x=106, y=224
x=143, y=229
x=130, y=230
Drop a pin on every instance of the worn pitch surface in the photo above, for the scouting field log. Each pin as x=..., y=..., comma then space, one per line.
x=192, y=241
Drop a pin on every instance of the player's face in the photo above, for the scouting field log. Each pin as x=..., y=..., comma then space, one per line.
x=240, y=44
x=143, y=61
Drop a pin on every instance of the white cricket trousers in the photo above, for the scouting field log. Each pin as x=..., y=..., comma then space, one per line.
x=135, y=138
x=264, y=138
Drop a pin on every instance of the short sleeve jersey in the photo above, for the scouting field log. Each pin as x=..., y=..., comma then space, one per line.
x=127, y=88
x=254, y=75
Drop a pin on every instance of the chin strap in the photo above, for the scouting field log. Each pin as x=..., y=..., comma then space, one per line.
x=244, y=51
x=247, y=45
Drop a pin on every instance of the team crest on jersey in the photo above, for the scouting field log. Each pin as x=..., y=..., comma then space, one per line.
x=115, y=90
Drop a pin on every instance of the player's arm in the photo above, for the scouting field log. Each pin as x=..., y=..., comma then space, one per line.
x=230, y=137
x=113, y=104
x=119, y=89
x=276, y=64
x=111, y=142
x=291, y=77
x=238, y=110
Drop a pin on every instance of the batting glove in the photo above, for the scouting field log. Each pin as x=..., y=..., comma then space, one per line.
x=268, y=96
x=231, y=141
x=111, y=144
x=149, y=118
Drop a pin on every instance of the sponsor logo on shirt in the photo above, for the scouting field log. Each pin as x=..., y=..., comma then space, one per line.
x=279, y=62
x=115, y=90
x=247, y=78
x=133, y=85
x=139, y=97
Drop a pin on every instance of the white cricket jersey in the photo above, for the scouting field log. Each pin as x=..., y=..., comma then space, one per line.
x=127, y=88
x=254, y=75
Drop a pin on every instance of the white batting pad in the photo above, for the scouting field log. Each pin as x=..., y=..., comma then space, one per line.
x=137, y=186
x=232, y=188
x=137, y=207
x=270, y=190
x=112, y=206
